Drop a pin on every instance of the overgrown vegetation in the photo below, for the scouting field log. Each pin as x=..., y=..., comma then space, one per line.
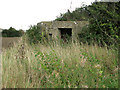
x=103, y=27
x=56, y=66
x=36, y=35
x=72, y=65
x=104, y=19
x=12, y=32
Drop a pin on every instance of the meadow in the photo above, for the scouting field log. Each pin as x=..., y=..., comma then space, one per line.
x=72, y=65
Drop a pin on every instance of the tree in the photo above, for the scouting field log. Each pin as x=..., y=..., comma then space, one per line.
x=12, y=32
x=104, y=19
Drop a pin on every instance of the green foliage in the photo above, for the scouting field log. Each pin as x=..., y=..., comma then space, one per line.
x=104, y=23
x=78, y=14
x=39, y=66
x=35, y=35
x=103, y=20
x=12, y=32
x=61, y=74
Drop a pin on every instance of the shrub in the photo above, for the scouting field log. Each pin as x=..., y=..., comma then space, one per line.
x=103, y=20
x=35, y=35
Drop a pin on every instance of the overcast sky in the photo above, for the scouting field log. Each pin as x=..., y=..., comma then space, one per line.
x=20, y=14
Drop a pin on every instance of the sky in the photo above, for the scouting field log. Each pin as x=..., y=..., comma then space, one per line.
x=20, y=14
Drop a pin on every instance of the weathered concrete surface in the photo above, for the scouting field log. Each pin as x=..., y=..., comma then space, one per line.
x=52, y=27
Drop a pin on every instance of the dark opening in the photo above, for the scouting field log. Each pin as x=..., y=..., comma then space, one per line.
x=65, y=33
x=50, y=36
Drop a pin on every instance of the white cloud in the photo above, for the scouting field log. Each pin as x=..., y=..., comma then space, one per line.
x=20, y=14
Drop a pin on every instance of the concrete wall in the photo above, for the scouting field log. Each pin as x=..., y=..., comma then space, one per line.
x=51, y=27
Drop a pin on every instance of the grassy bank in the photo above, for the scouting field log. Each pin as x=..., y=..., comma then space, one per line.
x=56, y=66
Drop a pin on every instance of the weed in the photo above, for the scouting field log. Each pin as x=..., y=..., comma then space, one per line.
x=56, y=66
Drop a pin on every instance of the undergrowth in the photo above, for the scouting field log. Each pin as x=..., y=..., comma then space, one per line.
x=71, y=66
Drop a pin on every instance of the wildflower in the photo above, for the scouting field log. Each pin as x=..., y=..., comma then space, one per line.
x=97, y=66
x=38, y=55
x=81, y=56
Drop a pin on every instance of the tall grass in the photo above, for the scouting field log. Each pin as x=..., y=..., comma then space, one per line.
x=56, y=66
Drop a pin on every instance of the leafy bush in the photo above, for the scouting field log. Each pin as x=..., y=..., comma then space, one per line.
x=35, y=35
x=103, y=20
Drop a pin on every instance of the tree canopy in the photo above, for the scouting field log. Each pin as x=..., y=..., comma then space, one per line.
x=12, y=32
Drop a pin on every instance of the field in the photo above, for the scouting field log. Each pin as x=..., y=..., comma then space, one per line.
x=9, y=41
x=59, y=66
